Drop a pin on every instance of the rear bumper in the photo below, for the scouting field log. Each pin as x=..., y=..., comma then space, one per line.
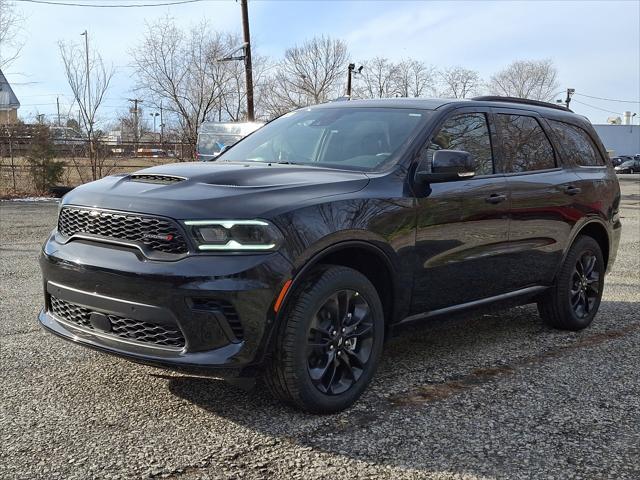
x=616, y=232
x=221, y=305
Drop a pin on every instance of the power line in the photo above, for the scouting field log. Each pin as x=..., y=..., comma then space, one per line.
x=102, y=5
x=597, y=108
x=607, y=99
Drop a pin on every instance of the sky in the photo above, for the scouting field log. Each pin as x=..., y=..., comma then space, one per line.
x=595, y=45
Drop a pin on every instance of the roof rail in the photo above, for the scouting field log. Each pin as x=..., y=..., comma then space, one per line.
x=526, y=101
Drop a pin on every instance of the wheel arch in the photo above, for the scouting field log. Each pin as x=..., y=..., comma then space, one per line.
x=354, y=254
x=596, y=230
x=362, y=256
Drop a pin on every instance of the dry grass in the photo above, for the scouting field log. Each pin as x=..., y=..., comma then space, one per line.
x=76, y=171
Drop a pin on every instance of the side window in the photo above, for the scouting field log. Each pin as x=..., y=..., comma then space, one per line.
x=525, y=145
x=576, y=144
x=468, y=132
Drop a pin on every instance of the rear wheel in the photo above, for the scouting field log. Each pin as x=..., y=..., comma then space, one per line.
x=329, y=342
x=573, y=301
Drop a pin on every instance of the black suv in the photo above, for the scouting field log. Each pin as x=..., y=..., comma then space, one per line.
x=298, y=251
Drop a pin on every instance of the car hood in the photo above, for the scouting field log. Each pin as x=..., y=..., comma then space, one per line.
x=216, y=190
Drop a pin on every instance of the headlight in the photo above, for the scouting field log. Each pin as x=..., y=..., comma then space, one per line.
x=234, y=235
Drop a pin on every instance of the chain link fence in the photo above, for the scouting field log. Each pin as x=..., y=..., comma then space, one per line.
x=19, y=163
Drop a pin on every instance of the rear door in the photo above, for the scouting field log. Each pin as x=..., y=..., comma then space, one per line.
x=597, y=187
x=543, y=196
x=462, y=225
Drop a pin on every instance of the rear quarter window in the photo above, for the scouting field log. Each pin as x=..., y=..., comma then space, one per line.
x=576, y=144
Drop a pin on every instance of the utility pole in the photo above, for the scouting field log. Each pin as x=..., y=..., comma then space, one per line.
x=247, y=60
x=88, y=87
x=58, y=106
x=161, y=125
x=350, y=69
x=350, y=74
x=136, y=130
x=570, y=92
x=88, y=111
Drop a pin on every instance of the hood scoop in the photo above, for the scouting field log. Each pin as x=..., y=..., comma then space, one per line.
x=155, y=178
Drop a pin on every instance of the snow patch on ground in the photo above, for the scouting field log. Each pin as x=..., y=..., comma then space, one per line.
x=35, y=199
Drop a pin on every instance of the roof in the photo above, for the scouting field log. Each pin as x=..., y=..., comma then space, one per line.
x=8, y=99
x=417, y=103
x=436, y=103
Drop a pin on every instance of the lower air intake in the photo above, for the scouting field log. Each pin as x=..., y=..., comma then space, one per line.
x=120, y=327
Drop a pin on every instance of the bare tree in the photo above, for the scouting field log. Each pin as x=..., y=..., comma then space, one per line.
x=309, y=74
x=133, y=126
x=459, y=82
x=182, y=70
x=534, y=79
x=414, y=79
x=10, y=25
x=89, y=81
x=378, y=80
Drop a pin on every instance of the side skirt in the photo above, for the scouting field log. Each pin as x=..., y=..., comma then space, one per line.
x=498, y=302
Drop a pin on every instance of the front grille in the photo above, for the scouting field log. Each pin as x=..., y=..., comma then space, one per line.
x=122, y=327
x=227, y=309
x=159, y=179
x=157, y=234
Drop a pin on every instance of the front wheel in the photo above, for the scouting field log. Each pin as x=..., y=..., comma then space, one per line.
x=573, y=301
x=329, y=343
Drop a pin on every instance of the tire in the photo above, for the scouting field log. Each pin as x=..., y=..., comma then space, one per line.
x=573, y=301
x=312, y=340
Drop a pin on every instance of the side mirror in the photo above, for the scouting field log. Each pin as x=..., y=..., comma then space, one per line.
x=448, y=165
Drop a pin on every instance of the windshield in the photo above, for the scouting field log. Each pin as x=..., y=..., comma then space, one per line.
x=343, y=137
x=213, y=143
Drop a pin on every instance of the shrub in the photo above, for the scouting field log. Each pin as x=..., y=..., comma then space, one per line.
x=44, y=170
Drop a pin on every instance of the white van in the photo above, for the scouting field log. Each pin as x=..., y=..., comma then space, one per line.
x=214, y=137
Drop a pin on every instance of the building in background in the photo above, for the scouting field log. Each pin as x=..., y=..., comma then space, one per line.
x=620, y=139
x=9, y=103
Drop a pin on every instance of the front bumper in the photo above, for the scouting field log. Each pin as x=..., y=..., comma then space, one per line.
x=222, y=305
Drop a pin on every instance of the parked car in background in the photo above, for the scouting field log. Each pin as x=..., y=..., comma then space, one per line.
x=615, y=161
x=299, y=251
x=215, y=137
x=629, y=166
x=151, y=152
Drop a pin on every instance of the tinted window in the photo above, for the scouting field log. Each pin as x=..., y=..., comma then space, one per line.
x=576, y=144
x=524, y=143
x=468, y=132
x=343, y=137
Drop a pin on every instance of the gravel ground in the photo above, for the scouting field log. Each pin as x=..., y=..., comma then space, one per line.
x=493, y=396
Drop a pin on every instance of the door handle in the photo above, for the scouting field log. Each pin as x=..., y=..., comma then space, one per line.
x=572, y=190
x=495, y=198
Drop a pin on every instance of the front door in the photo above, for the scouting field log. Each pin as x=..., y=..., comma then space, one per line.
x=462, y=225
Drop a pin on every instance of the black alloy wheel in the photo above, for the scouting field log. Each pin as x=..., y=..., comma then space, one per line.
x=585, y=286
x=339, y=342
x=572, y=302
x=329, y=341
